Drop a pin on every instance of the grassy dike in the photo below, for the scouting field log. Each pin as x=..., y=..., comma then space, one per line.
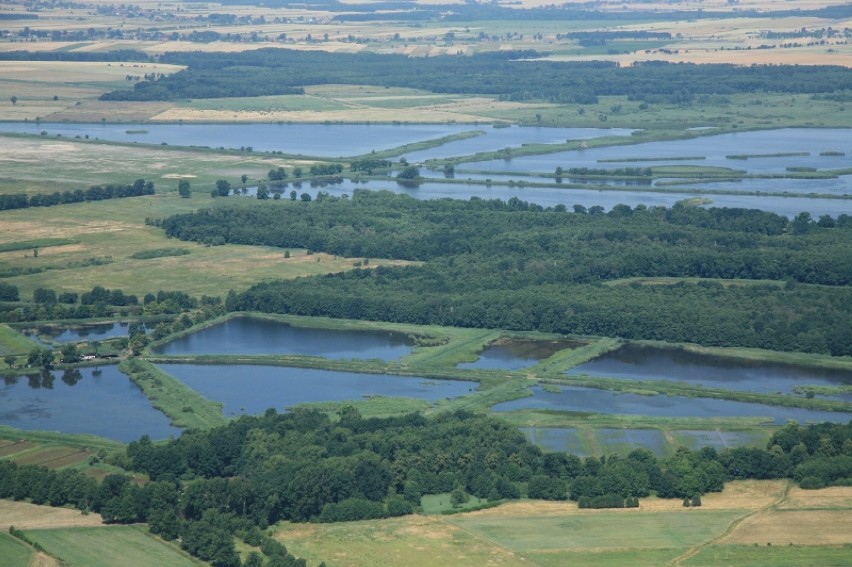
x=184, y=407
x=449, y=346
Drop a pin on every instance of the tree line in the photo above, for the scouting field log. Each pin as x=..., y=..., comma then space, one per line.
x=208, y=487
x=515, y=265
x=513, y=76
x=94, y=193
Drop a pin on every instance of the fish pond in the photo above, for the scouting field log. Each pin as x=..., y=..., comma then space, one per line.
x=635, y=362
x=592, y=400
x=254, y=389
x=755, y=152
x=78, y=333
x=514, y=354
x=255, y=336
x=100, y=402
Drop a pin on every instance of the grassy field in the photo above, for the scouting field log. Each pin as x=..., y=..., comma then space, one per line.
x=14, y=552
x=109, y=546
x=547, y=534
x=13, y=342
x=108, y=233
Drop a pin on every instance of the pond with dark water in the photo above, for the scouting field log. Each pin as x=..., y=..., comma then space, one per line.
x=592, y=400
x=79, y=333
x=635, y=362
x=254, y=336
x=100, y=402
x=513, y=354
x=254, y=389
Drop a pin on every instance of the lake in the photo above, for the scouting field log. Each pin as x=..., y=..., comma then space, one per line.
x=254, y=336
x=714, y=149
x=321, y=140
x=81, y=401
x=592, y=400
x=635, y=362
x=514, y=354
x=254, y=389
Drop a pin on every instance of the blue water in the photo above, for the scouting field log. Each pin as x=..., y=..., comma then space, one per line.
x=254, y=389
x=576, y=399
x=322, y=140
x=248, y=335
x=93, y=332
x=632, y=362
x=108, y=405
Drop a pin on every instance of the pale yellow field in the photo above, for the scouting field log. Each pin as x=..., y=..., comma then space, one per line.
x=29, y=516
x=799, y=527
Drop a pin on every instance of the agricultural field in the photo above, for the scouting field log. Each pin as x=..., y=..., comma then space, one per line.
x=548, y=533
x=107, y=546
x=14, y=552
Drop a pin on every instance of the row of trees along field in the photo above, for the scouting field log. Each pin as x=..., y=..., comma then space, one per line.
x=513, y=75
x=208, y=487
x=514, y=265
x=94, y=193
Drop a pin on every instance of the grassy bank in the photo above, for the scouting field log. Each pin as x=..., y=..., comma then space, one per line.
x=184, y=407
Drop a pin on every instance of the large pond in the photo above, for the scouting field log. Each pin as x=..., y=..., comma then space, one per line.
x=819, y=148
x=550, y=197
x=576, y=399
x=322, y=140
x=248, y=335
x=254, y=389
x=514, y=354
x=634, y=362
x=100, y=402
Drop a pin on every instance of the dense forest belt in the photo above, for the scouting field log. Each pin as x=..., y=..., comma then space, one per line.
x=279, y=71
x=517, y=266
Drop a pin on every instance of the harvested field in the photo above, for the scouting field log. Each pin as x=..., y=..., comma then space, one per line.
x=29, y=516
x=831, y=497
x=12, y=447
x=797, y=527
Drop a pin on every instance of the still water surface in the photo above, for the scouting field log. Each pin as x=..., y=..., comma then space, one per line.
x=577, y=399
x=249, y=335
x=254, y=389
x=634, y=362
x=80, y=401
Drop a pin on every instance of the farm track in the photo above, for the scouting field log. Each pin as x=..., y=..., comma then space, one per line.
x=693, y=551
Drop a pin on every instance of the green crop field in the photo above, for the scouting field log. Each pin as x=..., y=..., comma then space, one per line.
x=110, y=546
x=14, y=552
